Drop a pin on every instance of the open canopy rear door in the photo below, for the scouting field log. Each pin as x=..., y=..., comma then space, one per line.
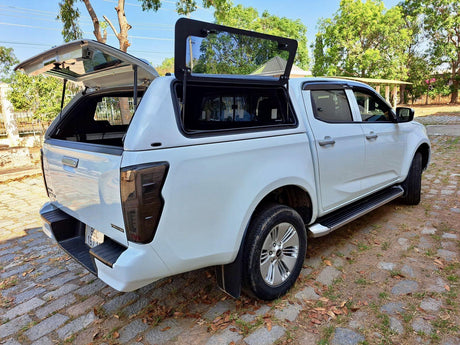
x=95, y=64
x=205, y=51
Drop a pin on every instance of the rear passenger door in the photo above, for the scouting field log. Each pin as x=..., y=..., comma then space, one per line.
x=338, y=142
x=385, y=140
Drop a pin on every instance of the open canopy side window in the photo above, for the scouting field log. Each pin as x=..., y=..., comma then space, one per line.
x=204, y=50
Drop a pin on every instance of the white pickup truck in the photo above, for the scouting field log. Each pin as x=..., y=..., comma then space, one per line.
x=223, y=164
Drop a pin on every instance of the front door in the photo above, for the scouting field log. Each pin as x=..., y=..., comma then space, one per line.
x=385, y=141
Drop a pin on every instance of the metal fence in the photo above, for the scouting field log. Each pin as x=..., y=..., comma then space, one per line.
x=26, y=124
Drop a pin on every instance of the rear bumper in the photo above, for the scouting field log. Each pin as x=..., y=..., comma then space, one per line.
x=123, y=268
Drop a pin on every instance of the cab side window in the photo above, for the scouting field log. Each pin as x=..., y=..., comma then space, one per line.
x=331, y=106
x=371, y=108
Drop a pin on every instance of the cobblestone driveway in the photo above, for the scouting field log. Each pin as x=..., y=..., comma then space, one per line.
x=390, y=277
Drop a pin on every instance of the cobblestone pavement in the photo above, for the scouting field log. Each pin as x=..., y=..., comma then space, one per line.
x=391, y=277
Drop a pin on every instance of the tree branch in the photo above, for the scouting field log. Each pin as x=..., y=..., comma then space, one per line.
x=111, y=25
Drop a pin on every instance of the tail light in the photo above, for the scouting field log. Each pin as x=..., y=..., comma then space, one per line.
x=141, y=199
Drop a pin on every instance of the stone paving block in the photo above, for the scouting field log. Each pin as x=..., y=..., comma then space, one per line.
x=28, y=294
x=408, y=271
x=53, y=306
x=404, y=243
x=43, y=341
x=307, y=293
x=81, y=308
x=92, y=288
x=263, y=337
x=62, y=279
x=136, y=307
x=259, y=312
x=404, y=287
x=425, y=243
x=218, y=309
x=119, y=302
x=396, y=325
x=447, y=254
x=161, y=333
x=449, y=236
x=358, y=320
x=437, y=286
x=420, y=325
x=328, y=275
x=430, y=304
x=131, y=330
x=11, y=342
x=392, y=308
x=76, y=325
x=388, y=266
x=46, y=326
x=17, y=271
x=225, y=337
x=49, y=274
x=345, y=336
x=428, y=230
x=23, y=308
x=289, y=312
x=313, y=261
x=14, y=325
x=63, y=290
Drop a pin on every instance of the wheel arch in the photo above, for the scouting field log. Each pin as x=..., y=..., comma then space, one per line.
x=424, y=149
x=296, y=196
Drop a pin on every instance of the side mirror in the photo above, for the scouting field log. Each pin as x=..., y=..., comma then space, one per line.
x=404, y=114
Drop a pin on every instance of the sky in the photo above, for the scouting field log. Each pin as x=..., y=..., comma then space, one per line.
x=30, y=26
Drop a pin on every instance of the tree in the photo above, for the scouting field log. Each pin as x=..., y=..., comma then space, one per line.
x=7, y=61
x=167, y=66
x=441, y=22
x=69, y=15
x=363, y=39
x=248, y=18
x=40, y=95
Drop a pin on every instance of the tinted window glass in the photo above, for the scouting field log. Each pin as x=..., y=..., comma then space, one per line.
x=224, y=108
x=115, y=110
x=371, y=108
x=331, y=106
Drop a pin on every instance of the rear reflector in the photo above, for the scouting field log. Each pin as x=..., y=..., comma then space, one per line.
x=141, y=199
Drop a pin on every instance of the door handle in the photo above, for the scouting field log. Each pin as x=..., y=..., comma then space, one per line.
x=371, y=136
x=327, y=141
x=69, y=161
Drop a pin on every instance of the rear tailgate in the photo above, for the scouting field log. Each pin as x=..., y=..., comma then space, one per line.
x=86, y=185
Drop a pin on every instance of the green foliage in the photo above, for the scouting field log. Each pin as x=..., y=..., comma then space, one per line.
x=167, y=66
x=41, y=95
x=363, y=39
x=248, y=18
x=7, y=61
x=69, y=15
x=441, y=23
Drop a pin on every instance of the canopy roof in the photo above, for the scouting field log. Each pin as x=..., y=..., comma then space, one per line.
x=376, y=81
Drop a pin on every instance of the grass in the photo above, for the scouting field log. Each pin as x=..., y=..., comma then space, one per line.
x=361, y=281
x=385, y=245
x=362, y=247
x=383, y=295
x=452, y=278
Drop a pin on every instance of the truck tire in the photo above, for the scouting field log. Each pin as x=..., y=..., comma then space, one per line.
x=413, y=183
x=274, y=251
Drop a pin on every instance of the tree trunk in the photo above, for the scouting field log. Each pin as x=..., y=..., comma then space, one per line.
x=8, y=118
x=124, y=26
x=455, y=84
x=97, y=27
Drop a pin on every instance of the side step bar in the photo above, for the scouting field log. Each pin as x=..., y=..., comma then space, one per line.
x=336, y=219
